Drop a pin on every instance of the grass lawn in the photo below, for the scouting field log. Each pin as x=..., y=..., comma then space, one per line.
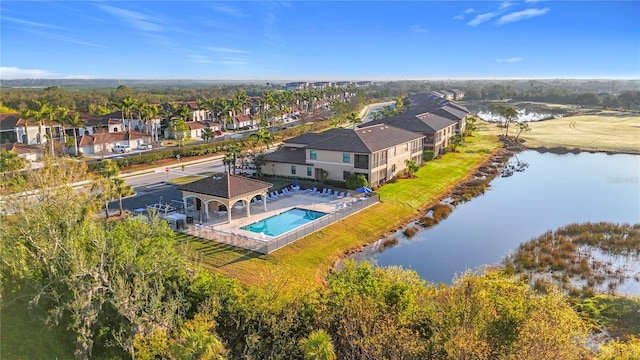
x=23, y=333
x=304, y=264
x=190, y=178
x=608, y=131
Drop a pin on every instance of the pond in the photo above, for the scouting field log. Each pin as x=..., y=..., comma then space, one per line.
x=553, y=191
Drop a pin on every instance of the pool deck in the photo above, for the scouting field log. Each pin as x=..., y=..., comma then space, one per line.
x=303, y=200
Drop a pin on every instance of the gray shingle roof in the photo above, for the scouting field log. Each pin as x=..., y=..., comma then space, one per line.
x=365, y=140
x=227, y=186
x=425, y=123
x=289, y=155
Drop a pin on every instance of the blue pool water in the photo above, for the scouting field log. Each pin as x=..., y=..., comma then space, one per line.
x=283, y=222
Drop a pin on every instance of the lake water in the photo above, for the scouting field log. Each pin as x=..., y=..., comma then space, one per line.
x=553, y=191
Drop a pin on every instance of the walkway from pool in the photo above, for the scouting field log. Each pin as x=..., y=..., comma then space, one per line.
x=218, y=229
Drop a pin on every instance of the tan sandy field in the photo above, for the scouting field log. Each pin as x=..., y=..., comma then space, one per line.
x=608, y=131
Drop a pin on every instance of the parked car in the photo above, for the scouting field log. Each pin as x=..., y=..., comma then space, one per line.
x=145, y=147
x=121, y=149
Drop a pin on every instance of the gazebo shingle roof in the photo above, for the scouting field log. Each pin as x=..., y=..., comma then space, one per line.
x=227, y=186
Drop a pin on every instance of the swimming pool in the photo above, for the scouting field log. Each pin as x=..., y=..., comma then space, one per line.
x=283, y=222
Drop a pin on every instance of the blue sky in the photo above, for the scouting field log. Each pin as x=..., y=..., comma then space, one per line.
x=319, y=40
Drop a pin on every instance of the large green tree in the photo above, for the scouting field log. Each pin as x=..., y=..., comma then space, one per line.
x=508, y=114
x=114, y=280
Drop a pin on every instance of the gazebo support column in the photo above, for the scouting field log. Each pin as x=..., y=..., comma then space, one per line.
x=229, y=214
x=264, y=201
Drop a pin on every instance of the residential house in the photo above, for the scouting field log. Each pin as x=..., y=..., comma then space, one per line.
x=430, y=102
x=27, y=152
x=377, y=152
x=12, y=129
x=103, y=143
x=449, y=95
x=321, y=85
x=437, y=130
x=458, y=94
x=196, y=127
x=293, y=86
x=197, y=113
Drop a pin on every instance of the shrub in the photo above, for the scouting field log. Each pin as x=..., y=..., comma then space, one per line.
x=388, y=242
x=428, y=155
x=410, y=231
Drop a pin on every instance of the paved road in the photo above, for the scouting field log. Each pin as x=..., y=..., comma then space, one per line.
x=150, y=185
x=367, y=113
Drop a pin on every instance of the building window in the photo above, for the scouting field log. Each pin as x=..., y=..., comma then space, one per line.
x=309, y=171
x=345, y=175
x=393, y=151
x=313, y=155
x=293, y=169
x=346, y=157
x=406, y=147
x=360, y=161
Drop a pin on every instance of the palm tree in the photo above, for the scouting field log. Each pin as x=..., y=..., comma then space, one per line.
x=124, y=106
x=262, y=136
x=62, y=114
x=150, y=114
x=471, y=125
x=231, y=154
x=269, y=105
x=120, y=189
x=49, y=114
x=234, y=108
x=354, y=118
x=207, y=134
x=75, y=122
x=25, y=115
x=456, y=140
x=411, y=167
x=318, y=346
x=399, y=105
x=38, y=115
x=108, y=170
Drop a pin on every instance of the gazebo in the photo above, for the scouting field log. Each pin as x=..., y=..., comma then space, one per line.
x=227, y=190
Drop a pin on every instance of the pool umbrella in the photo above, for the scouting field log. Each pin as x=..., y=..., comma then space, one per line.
x=363, y=190
x=295, y=182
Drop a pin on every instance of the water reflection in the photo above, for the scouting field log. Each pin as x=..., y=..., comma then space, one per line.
x=555, y=190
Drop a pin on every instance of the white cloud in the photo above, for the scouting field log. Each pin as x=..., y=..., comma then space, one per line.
x=482, y=18
x=466, y=12
x=509, y=60
x=65, y=38
x=29, y=23
x=135, y=19
x=505, y=5
x=12, y=72
x=228, y=10
x=419, y=29
x=226, y=50
x=521, y=15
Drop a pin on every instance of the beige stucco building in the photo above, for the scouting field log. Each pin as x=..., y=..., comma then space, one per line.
x=378, y=152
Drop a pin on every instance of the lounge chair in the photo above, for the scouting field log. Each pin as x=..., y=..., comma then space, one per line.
x=348, y=194
x=325, y=192
x=341, y=195
x=313, y=192
x=335, y=194
x=286, y=192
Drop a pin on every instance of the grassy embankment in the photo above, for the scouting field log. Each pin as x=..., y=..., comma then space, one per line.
x=304, y=264
x=608, y=131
